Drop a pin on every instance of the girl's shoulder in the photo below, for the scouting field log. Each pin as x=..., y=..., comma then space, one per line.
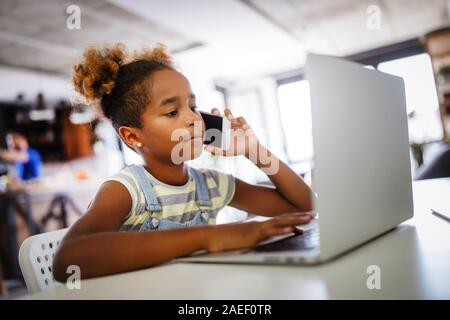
x=125, y=176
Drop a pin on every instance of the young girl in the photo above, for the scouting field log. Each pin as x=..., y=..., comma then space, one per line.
x=146, y=215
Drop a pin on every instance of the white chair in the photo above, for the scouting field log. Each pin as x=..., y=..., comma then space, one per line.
x=36, y=257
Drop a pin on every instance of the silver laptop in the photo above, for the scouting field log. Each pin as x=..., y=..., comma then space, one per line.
x=362, y=174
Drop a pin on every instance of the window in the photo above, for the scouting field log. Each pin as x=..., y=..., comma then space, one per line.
x=295, y=113
x=421, y=100
x=248, y=103
x=421, y=97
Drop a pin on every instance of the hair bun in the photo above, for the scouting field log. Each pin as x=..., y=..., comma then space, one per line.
x=95, y=76
x=158, y=54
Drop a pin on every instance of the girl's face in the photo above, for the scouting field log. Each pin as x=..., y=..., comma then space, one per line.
x=171, y=122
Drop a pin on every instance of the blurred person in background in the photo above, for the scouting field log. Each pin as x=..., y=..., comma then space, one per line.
x=27, y=160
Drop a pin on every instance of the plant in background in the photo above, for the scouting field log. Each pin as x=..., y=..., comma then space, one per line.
x=446, y=138
x=417, y=151
x=443, y=75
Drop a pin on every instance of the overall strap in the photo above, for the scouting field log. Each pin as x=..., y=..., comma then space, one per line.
x=146, y=185
x=203, y=198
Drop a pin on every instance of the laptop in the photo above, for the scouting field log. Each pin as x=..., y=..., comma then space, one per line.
x=361, y=174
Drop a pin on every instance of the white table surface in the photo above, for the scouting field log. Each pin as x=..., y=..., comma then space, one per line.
x=414, y=260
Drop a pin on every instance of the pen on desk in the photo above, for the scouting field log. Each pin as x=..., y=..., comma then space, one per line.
x=440, y=215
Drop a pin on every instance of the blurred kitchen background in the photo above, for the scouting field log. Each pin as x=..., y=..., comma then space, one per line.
x=244, y=54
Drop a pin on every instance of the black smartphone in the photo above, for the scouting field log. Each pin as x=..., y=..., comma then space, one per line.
x=217, y=130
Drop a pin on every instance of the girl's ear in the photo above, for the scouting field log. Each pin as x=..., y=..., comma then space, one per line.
x=130, y=136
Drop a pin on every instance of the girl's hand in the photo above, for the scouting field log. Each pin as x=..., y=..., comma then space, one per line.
x=249, y=234
x=243, y=138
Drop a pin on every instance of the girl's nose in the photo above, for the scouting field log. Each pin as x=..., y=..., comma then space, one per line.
x=195, y=125
x=192, y=117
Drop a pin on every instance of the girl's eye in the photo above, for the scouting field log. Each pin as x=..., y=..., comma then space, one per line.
x=172, y=113
x=194, y=108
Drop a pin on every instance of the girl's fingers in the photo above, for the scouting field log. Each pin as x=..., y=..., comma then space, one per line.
x=305, y=213
x=298, y=230
x=228, y=114
x=215, y=150
x=311, y=214
x=294, y=215
x=290, y=221
x=278, y=231
x=236, y=125
x=215, y=111
x=238, y=122
x=242, y=122
x=291, y=214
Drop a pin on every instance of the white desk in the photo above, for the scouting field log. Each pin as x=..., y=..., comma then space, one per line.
x=414, y=261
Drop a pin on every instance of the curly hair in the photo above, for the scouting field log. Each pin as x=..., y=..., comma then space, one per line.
x=119, y=81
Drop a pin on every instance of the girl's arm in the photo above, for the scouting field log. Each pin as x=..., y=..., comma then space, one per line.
x=291, y=194
x=13, y=155
x=94, y=244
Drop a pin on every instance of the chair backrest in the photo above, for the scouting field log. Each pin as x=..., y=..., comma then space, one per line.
x=36, y=258
x=438, y=167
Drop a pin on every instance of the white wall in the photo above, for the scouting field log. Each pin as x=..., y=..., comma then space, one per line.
x=30, y=83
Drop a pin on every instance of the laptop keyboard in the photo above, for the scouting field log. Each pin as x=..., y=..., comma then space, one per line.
x=306, y=241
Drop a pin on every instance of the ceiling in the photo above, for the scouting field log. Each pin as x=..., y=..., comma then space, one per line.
x=340, y=27
x=34, y=34
x=226, y=39
x=245, y=38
